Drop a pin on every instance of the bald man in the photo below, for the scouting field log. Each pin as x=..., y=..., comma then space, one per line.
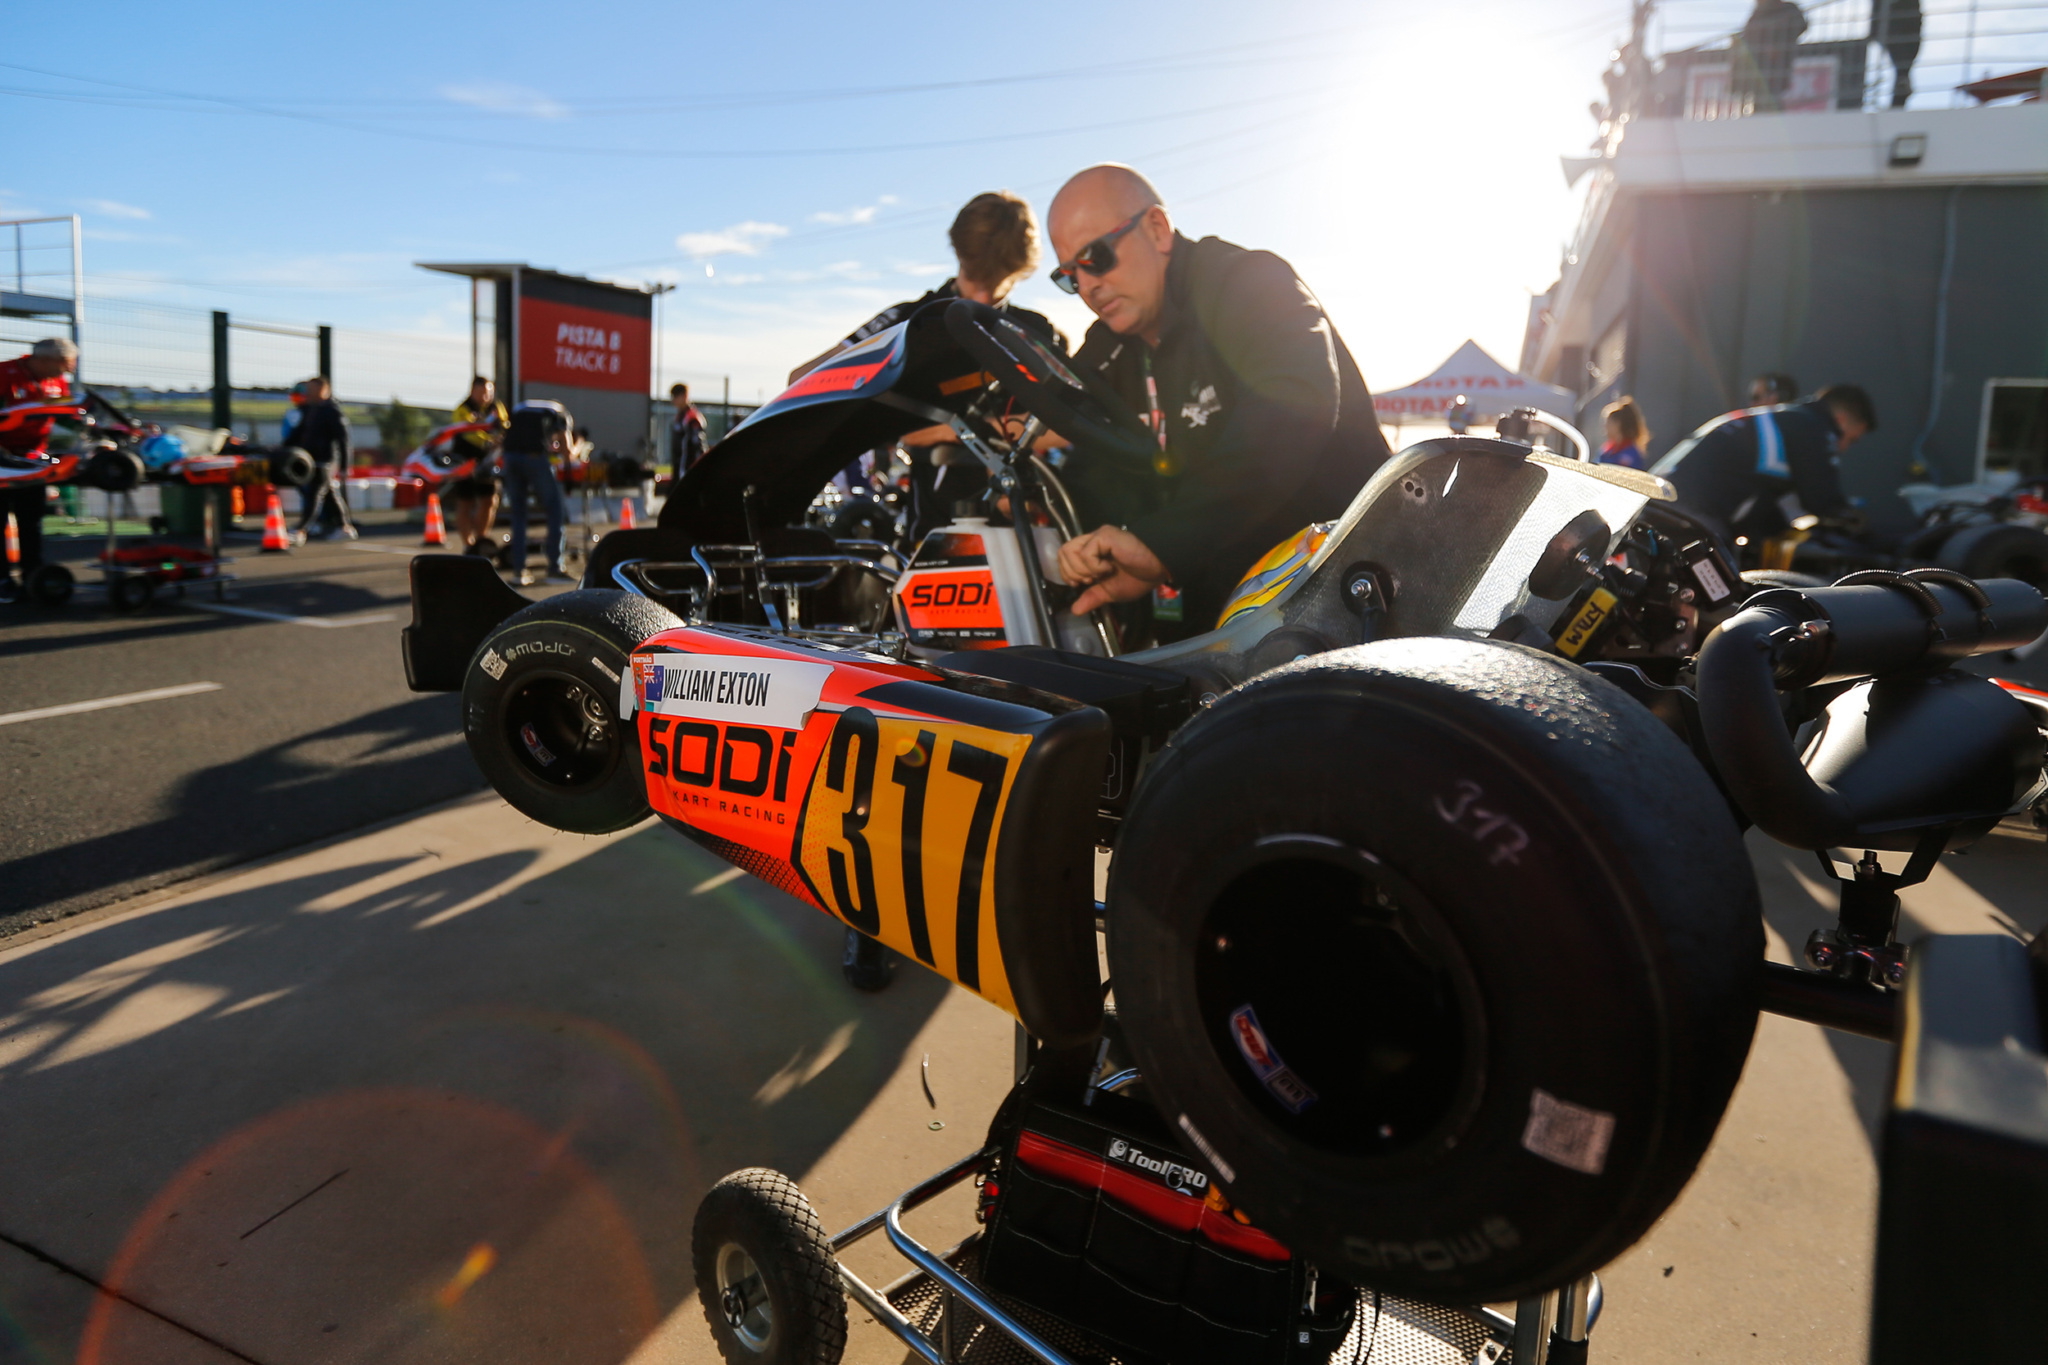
x=1263, y=420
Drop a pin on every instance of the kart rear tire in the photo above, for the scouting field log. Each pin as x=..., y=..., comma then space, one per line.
x=115, y=471
x=291, y=468
x=51, y=585
x=130, y=592
x=765, y=1273
x=1998, y=550
x=540, y=709
x=1491, y=916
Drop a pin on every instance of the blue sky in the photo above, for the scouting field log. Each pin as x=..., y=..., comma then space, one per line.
x=791, y=167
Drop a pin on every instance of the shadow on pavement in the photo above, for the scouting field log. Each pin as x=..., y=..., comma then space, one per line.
x=340, y=778
x=411, y=1110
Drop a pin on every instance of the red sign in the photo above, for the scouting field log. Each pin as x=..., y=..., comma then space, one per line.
x=584, y=348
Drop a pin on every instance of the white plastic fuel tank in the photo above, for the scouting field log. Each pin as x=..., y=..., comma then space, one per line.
x=965, y=589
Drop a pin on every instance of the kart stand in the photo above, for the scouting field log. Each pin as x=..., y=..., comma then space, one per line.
x=131, y=583
x=946, y=1317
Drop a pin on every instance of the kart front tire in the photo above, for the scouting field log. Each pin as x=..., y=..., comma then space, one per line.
x=765, y=1273
x=1443, y=957
x=540, y=709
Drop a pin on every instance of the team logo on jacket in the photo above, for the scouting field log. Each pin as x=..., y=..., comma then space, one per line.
x=1205, y=406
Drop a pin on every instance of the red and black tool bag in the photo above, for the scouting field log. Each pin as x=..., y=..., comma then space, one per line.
x=1109, y=1227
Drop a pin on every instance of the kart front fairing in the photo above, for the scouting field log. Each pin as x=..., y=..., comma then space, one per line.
x=869, y=395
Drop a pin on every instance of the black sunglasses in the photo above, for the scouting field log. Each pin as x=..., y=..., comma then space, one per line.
x=1097, y=258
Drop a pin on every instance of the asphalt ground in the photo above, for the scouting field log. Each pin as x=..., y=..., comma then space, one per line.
x=309, y=731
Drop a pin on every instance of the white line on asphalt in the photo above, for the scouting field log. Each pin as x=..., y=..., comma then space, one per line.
x=126, y=699
x=324, y=622
x=731, y=874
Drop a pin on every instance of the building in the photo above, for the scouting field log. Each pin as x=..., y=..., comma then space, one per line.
x=1904, y=249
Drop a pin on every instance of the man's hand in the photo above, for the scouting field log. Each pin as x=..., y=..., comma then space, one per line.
x=1114, y=563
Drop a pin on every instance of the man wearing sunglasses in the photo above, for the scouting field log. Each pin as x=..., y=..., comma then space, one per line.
x=1263, y=420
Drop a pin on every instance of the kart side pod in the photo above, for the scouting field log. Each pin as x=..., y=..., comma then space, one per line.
x=952, y=818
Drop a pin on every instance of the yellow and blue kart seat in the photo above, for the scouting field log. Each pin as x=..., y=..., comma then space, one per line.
x=1275, y=571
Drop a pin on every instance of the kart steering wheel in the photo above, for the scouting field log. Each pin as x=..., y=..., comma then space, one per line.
x=1077, y=405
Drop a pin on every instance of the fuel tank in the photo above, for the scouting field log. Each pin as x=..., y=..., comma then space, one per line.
x=951, y=817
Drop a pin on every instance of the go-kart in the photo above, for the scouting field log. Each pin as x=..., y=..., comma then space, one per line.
x=98, y=446
x=1434, y=950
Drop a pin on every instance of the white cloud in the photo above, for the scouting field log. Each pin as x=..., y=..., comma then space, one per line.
x=114, y=208
x=741, y=239
x=496, y=97
x=864, y=213
x=937, y=271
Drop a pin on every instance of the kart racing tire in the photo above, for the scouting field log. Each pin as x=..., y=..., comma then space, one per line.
x=291, y=468
x=130, y=591
x=114, y=470
x=765, y=1273
x=1442, y=956
x=1781, y=578
x=540, y=709
x=51, y=585
x=1998, y=550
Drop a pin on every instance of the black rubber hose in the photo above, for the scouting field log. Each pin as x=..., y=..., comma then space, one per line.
x=1791, y=639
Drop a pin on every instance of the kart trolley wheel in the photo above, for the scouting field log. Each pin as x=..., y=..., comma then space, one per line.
x=130, y=591
x=51, y=585
x=290, y=467
x=1445, y=955
x=765, y=1273
x=540, y=708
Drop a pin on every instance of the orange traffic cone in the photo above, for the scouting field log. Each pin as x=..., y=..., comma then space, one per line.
x=275, y=540
x=625, y=514
x=13, y=541
x=437, y=530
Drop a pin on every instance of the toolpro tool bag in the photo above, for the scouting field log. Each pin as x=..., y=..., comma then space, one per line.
x=1095, y=1216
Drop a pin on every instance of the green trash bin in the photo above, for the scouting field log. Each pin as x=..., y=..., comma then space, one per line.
x=185, y=507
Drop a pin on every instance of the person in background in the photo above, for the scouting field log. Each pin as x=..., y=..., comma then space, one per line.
x=41, y=376
x=1732, y=473
x=685, y=432
x=1628, y=435
x=1771, y=388
x=537, y=435
x=322, y=432
x=995, y=244
x=474, y=497
x=1763, y=61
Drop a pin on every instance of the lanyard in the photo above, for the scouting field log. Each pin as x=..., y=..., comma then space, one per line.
x=1162, y=463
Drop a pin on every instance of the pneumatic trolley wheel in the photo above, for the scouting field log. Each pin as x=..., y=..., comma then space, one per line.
x=765, y=1273
x=130, y=592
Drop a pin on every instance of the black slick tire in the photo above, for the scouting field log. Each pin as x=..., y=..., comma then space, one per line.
x=1998, y=550
x=1444, y=956
x=540, y=709
x=765, y=1273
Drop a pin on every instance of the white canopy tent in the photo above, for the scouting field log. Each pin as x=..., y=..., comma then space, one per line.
x=1490, y=389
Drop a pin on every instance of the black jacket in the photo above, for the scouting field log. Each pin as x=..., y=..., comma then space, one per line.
x=1758, y=453
x=1269, y=425
x=322, y=432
